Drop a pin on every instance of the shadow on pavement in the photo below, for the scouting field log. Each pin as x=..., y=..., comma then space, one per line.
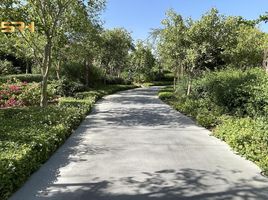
x=168, y=184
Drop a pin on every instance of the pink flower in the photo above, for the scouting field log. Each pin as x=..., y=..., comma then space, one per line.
x=14, y=88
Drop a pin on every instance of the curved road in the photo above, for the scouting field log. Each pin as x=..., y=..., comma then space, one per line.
x=135, y=147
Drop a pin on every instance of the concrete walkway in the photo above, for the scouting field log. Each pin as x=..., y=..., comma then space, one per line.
x=134, y=147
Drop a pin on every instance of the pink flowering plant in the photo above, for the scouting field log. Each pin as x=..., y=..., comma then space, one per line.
x=15, y=93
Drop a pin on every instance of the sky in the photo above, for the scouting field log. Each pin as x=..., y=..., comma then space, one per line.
x=141, y=16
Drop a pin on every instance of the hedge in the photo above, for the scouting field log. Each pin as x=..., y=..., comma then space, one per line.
x=22, y=77
x=232, y=103
x=28, y=136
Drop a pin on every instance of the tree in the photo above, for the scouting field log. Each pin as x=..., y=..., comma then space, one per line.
x=210, y=43
x=142, y=62
x=52, y=19
x=115, y=49
x=172, y=43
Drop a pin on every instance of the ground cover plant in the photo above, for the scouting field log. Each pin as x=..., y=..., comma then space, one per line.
x=233, y=104
x=29, y=135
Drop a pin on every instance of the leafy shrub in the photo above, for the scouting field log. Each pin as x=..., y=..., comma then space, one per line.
x=166, y=95
x=247, y=136
x=72, y=102
x=112, y=80
x=187, y=105
x=235, y=103
x=206, y=118
x=16, y=93
x=90, y=94
x=6, y=67
x=77, y=73
x=66, y=87
x=243, y=93
x=27, y=139
x=22, y=77
x=73, y=71
x=29, y=135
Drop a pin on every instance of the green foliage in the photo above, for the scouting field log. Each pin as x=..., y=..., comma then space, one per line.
x=95, y=95
x=73, y=102
x=17, y=93
x=28, y=136
x=250, y=43
x=211, y=43
x=114, y=55
x=113, y=80
x=166, y=95
x=22, y=77
x=247, y=136
x=238, y=92
x=66, y=87
x=234, y=103
x=142, y=63
x=6, y=67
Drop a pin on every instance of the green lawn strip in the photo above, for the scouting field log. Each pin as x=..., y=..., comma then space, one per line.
x=28, y=136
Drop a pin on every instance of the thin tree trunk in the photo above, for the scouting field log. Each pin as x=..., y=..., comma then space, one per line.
x=58, y=66
x=105, y=74
x=174, y=82
x=175, y=78
x=189, y=87
x=265, y=60
x=27, y=67
x=87, y=72
x=45, y=69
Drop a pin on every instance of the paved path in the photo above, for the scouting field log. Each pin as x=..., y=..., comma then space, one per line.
x=134, y=147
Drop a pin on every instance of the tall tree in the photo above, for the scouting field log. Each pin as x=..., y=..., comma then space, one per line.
x=142, y=62
x=52, y=19
x=172, y=43
x=116, y=46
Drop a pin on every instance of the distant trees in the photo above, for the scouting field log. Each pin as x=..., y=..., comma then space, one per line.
x=53, y=20
x=116, y=44
x=215, y=41
x=141, y=63
x=70, y=44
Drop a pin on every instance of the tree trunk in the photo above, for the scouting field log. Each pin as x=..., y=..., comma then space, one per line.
x=175, y=78
x=174, y=82
x=58, y=66
x=27, y=67
x=105, y=74
x=190, y=81
x=87, y=72
x=44, y=98
x=189, y=87
x=45, y=69
x=265, y=60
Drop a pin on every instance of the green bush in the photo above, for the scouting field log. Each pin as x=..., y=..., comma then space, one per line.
x=29, y=135
x=111, y=80
x=241, y=93
x=80, y=103
x=6, y=67
x=65, y=87
x=166, y=95
x=90, y=94
x=235, y=103
x=22, y=77
x=17, y=93
x=247, y=136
